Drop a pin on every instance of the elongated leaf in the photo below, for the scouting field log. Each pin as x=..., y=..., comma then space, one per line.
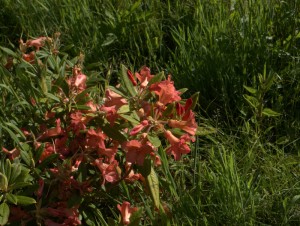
x=130, y=119
x=12, y=134
x=7, y=169
x=153, y=185
x=9, y=52
x=39, y=152
x=24, y=200
x=154, y=140
x=270, y=113
x=15, y=172
x=113, y=132
x=157, y=78
x=251, y=100
x=123, y=109
x=250, y=89
x=52, y=97
x=126, y=81
x=195, y=98
x=183, y=90
x=4, y=213
x=18, y=185
x=17, y=130
x=3, y=182
x=11, y=198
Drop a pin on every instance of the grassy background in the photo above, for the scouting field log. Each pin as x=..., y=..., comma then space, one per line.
x=247, y=173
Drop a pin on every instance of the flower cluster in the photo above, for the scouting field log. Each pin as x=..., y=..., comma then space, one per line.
x=86, y=144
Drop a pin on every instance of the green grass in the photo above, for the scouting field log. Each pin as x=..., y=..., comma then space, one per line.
x=247, y=173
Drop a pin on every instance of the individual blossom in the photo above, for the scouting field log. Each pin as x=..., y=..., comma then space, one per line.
x=29, y=57
x=109, y=171
x=57, y=130
x=126, y=212
x=178, y=146
x=95, y=139
x=131, y=176
x=144, y=76
x=37, y=43
x=136, y=151
x=166, y=91
x=78, y=121
x=14, y=153
x=139, y=127
x=48, y=150
x=78, y=81
x=187, y=123
x=110, y=113
x=114, y=99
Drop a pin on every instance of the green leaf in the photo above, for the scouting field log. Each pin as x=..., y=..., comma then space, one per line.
x=18, y=185
x=26, y=154
x=9, y=52
x=52, y=97
x=80, y=107
x=123, y=109
x=250, y=89
x=39, y=152
x=15, y=172
x=11, y=198
x=113, y=132
x=153, y=185
x=11, y=133
x=17, y=130
x=7, y=169
x=154, y=140
x=252, y=101
x=203, y=131
x=157, y=78
x=110, y=38
x=24, y=200
x=3, y=182
x=126, y=81
x=195, y=98
x=183, y=90
x=4, y=213
x=270, y=113
x=130, y=119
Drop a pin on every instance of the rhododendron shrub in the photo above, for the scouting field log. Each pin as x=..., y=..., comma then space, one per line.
x=80, y=150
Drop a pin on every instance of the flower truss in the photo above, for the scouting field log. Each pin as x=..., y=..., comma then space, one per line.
x=82, y=145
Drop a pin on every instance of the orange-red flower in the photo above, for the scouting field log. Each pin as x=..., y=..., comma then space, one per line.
x=37, y=43
x=166, y=91
x=109, y=171
x=126, y=212
x=139, y=127
x=144, y=76
x=137, y=151
x=178, y=145
x=114, y=99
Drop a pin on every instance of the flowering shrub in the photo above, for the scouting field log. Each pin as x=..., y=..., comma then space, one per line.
x=80, y=150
